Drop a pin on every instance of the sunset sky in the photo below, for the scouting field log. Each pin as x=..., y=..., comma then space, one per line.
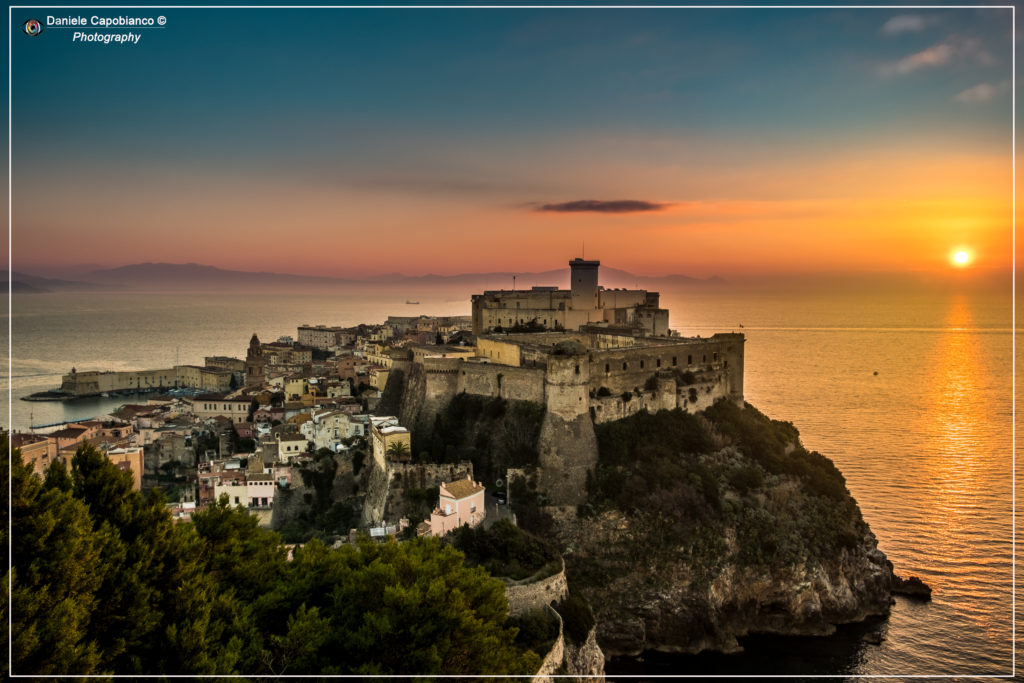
x=355, y=142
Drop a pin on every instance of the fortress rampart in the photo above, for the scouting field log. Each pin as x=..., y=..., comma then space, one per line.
x=94, y=382
x=485, y=379
x=583, y=378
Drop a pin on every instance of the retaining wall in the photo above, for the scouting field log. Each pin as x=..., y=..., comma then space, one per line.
x=554, y=658
x=537, y=594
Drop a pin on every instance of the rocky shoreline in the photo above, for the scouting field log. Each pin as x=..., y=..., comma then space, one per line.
x=660, y=608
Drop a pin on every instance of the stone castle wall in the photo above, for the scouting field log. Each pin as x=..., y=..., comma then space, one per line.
x=568, y=385
x=566, y=391
x=486, y=379
x=523, y=597
x=708, y=388
x=628, y=368
x=611, y=408
x=568, y=451
x=406, y=475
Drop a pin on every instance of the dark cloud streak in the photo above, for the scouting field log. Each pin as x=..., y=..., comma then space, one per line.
x=602, y=206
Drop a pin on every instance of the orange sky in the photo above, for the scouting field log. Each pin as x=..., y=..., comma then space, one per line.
x=864, y=210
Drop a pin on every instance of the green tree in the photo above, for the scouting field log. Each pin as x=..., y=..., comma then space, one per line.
x=104, y=582
x=412, y=607
x=57, y=569
x=398, y=450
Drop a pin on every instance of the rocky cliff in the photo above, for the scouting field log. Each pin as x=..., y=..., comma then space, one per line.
x=701, y=529
x=585, y=660
x=670, y=606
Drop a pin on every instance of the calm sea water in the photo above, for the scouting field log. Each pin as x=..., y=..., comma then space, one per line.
x=925, y=443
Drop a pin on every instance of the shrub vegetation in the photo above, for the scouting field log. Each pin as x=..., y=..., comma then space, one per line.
x=685, y=493
x=506, y=550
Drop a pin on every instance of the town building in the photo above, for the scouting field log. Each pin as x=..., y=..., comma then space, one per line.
x=389, y=438
x=323, y=337
x=35, y=451
x=95, y=382
x=206, y=406
x=291, y=446
x=460, y=502
x=128, y=459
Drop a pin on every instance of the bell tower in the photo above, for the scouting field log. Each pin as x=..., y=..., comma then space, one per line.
x=255, y=365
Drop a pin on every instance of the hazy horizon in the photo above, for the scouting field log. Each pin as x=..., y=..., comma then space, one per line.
x=465, y=282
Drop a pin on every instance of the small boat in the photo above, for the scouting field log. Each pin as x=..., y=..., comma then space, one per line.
x=412, y=303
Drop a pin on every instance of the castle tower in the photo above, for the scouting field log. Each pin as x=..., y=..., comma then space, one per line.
x=568, y=443
x=255, y=365
x=583, y=284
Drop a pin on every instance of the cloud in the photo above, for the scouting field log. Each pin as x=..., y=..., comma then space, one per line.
x=936, y=55
x=940, y=54
x=603, y=206
x=983, y=92
x=907, y=23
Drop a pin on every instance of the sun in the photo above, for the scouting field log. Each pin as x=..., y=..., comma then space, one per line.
x=961, y=258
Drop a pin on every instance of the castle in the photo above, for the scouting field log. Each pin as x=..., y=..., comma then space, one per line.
x=584, y=303
x=611, y=355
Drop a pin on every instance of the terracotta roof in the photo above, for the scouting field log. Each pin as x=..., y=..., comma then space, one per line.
x=67, y=433
x=463, y=488
x=18, y=440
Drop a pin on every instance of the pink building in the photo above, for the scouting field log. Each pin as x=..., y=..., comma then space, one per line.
x=261, y=490
x=460, y=502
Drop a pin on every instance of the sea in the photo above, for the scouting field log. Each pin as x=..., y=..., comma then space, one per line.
x=909, y=393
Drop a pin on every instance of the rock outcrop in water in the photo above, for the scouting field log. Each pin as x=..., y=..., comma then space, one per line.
x=700, y=529
x=911, y=588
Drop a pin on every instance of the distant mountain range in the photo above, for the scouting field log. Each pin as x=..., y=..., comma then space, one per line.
x=23, y=283
x=195, y=276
